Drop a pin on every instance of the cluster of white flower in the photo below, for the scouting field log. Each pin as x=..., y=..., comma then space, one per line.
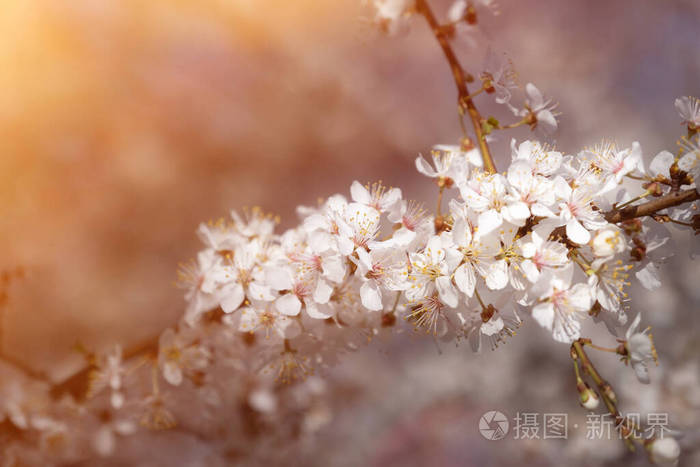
x=534, y=240
x=265, y=309
x=555, y=237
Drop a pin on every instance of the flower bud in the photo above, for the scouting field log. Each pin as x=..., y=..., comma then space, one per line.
x=608, y=392
x=632, y=226
x=466, y=144
x=608, y=242
x=587, y=396
x=654, y=188
x=664, y=451
x=639, y=251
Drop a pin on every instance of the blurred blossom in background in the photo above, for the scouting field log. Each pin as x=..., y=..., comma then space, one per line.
x=125, y=124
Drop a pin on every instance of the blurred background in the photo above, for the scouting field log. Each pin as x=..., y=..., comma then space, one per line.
x=125, y=124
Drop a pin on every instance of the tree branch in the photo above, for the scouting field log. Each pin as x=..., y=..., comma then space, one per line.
x=459, y=75
x=652, y=207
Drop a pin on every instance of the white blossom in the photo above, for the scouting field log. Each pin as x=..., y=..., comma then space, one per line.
x=375, y=195
x=608, y=241
x=380, y=270
x=431, y=270
x=541, y=109
x=613, y=163
x=499, y=73
x=561, y=305
x=577, y=210
x=541, y=254
x=177, y=353
x=641, y=349
x=689, y=109
x=665, y=452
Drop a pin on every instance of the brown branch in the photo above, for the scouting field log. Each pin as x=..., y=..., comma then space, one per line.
x=652, y=207
x=459, y=75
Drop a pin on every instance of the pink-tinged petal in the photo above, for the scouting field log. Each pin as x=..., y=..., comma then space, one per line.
x=465, y=278
x=550, y=164
x=576, y=232
x=566, y=333
x=316, y=222
x=474, y=158
x=371, y=296
x=279, y=278
x=489, y=221
x=403, y=237
x=530, y=270
x=320, y=241
x=364, y=263
x=661, y=163
x=318, y=311
x=390, y=198
x=288, y=328
x=546, y=121
x=446, y=291
x=360, y=194
x=633, y=327
x=517, y=213
x=288, y=305
x=258, y=291
x=263, y=400
x=345, y=246
x=519, y=173
x=323, y=292
x=492, y=326
x=497, y=275
x=172, y=373
x=581, y=297
x=456, y=12
x=461, y=233
x=607, y=302
x=562, y=189
x=396, y=211
x=540, y=210
x=475, y=341
x=534, y=96
x=249, y=320
x=544, y=315
x=648, y=276
x=528, y=250
x=689, y=161
x=232, y=298
x=453, y=257
x=434, y=250
x=117, y=399
x=473, y=199
x=424, y=167
x=563, y=276
x=104, y=441
x=333, y=268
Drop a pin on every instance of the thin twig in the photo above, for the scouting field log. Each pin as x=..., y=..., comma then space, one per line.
x=459, y=75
